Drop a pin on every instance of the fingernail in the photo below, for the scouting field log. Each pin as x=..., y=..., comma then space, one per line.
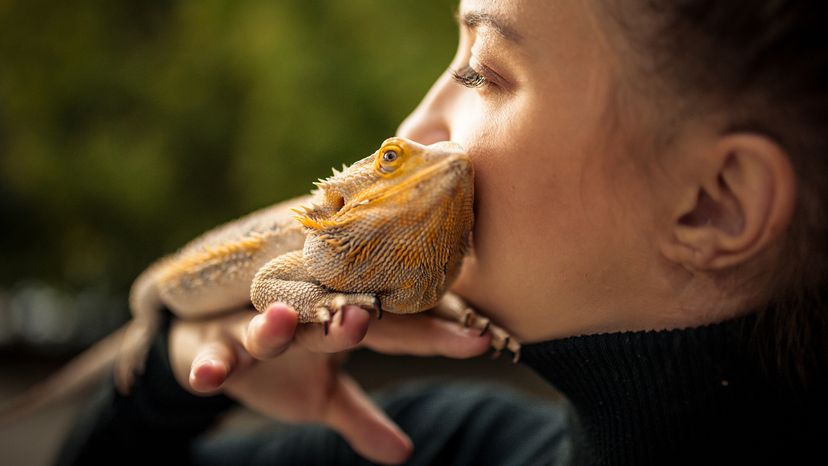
x=254, y=325
x=208, y=374
x=467, y=332
x=357, y=324
x=353, y=310
x=280, y=307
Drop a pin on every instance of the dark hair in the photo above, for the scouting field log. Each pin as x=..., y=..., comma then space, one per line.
x=763, y=65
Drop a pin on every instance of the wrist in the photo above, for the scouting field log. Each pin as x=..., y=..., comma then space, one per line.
x=159, y=395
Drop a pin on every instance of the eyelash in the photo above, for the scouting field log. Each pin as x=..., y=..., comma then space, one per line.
x=469, y=77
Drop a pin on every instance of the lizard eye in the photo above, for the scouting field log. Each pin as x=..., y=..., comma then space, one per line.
x=389, y=159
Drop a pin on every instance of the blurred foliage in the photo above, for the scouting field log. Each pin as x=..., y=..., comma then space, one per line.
x=128, y=127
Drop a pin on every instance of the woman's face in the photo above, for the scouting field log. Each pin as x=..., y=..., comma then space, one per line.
x=563, y=212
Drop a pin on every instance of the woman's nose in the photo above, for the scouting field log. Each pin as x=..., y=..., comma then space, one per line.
x=429, y=122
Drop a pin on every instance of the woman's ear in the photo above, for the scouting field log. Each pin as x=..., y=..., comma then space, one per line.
x=740, y=198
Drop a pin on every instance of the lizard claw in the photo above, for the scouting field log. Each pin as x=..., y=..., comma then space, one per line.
x=378, y=307
x=324, y=317
x=516, y=356
x=485, y=328
x=369, y=302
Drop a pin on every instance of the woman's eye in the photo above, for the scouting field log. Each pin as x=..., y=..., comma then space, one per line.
x=468, y=77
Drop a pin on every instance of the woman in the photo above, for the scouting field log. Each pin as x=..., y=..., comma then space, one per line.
x=651, y=213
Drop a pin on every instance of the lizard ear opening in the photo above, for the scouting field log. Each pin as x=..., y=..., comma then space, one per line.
x=333, y=203
x=337, y=202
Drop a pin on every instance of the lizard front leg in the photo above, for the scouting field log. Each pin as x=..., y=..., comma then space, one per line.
x=285, y=279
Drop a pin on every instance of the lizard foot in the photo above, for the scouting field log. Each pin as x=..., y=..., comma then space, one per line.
x=501, y=340
x=475, y=320
x=328, y=307
x=452, y=307
x=133, y=353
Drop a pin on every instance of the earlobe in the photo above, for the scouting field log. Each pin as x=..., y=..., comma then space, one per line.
x=741, y=200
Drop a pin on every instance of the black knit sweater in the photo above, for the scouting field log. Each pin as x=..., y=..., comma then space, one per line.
x=691, y=396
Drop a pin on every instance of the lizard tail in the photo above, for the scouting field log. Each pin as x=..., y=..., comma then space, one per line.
x=77, y=375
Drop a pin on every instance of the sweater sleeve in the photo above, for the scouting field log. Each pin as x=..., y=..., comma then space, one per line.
x=158, y=421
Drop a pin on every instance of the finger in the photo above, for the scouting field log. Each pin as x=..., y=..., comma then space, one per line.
x=347, y=329
x=424, y=335
x=270, y=333
x=212, y=365
x=364, y=426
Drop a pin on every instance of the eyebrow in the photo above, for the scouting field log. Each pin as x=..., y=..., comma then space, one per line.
x=475, y=19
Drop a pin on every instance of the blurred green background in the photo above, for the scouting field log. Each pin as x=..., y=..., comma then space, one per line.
x=128, y=127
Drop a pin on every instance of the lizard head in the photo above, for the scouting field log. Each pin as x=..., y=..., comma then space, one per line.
x=396, y=222
x=400, y=175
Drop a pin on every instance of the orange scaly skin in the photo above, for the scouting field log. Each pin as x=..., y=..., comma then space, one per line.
x=387, y=233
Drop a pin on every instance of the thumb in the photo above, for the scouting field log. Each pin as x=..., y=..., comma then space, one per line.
x=363, y=424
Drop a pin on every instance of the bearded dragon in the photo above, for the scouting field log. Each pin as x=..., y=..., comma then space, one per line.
x=388, y=233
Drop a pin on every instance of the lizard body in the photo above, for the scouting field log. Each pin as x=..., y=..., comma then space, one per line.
x=387, y=233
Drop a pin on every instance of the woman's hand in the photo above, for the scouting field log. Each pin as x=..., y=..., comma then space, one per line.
x=291, y=372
